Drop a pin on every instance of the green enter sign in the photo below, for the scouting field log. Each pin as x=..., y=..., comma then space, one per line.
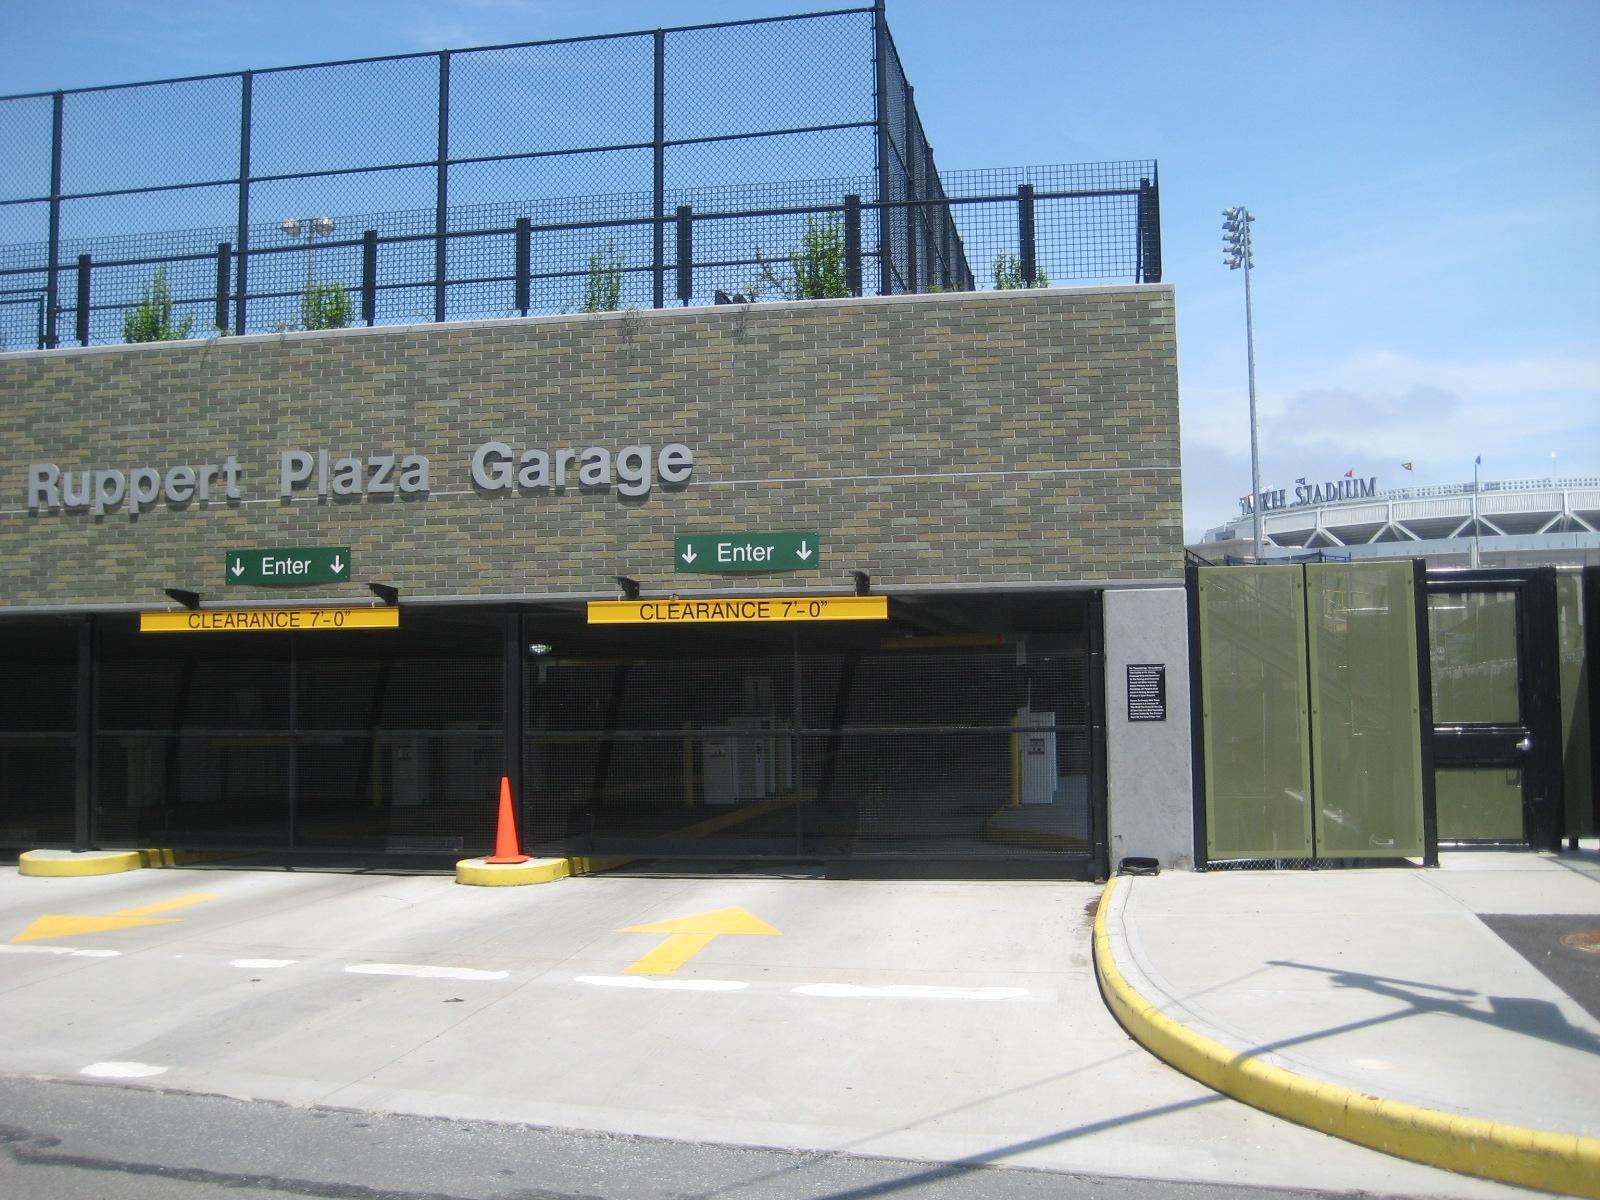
x=288, y=566
x=747, y=553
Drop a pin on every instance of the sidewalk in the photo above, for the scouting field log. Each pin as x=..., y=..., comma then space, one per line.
x=1379, y=1005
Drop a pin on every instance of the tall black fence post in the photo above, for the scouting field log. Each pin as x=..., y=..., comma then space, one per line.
x=369, y=277
x=242, y=237
x=685, y=254
x=84, y=267
x=219, y=315
x=852, y=244
x=83, y=757
x=658, y=274
x=946, y=280
x=441, y=198
x=913, y=280
x=525, y=259
x=512, y=724
x=880, y=101
x=52, y=285
x=1029, y=251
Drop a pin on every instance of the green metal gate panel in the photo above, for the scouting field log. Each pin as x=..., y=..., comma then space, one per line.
x=1571, y=621
x=1255, y=706
x=1365, y=710
x=1480, y=803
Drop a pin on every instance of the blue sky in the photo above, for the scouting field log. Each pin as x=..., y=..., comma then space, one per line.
x=1425, y=176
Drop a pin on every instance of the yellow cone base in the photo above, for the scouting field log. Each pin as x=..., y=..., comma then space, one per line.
x=480, y=872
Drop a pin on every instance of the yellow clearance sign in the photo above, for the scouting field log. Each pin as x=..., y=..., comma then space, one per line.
x=268, y=620
x=764, y=608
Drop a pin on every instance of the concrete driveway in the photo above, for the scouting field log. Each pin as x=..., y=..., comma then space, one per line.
x=928, y=1020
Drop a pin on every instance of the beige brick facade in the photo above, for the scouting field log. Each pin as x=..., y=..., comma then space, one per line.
x=974, y=438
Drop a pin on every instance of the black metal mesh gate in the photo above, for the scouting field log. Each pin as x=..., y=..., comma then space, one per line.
x=961, y=729
x=38, y=731
x=351, y=741
x=750, y=742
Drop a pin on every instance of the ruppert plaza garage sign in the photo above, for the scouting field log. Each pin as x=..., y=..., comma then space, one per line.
x=495, y=466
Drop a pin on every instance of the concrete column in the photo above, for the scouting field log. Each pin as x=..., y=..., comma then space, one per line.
x=1149, y=782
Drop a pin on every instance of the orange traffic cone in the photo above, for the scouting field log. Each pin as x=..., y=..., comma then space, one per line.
x=505, y=837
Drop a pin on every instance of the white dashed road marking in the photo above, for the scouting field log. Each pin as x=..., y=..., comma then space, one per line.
x=121, y=1070
x=61, y=950
x=825, y=991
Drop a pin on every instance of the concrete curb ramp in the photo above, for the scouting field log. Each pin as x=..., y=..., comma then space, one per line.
x=60, y=864
x=1558, y=1162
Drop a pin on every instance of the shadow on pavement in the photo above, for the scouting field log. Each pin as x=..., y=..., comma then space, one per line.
x=1518, y=1014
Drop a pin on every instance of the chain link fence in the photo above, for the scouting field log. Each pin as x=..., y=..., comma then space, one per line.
x=542, y=177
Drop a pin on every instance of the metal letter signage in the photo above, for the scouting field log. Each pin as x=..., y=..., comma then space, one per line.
x=742, y=553
x=494, y=466
x=268, y=620
x=287, y=566
x=725, y=609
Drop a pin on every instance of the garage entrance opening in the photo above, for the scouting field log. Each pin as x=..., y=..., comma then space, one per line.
x=960, y=734
x=959, y=730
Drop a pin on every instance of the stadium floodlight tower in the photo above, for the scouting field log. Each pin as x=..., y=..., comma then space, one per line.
x=1236, y=245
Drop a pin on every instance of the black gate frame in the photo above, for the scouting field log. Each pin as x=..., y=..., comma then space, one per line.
x=1538, y=658
x=1590, y=589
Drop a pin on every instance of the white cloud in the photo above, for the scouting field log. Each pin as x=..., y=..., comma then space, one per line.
x=1375, y=410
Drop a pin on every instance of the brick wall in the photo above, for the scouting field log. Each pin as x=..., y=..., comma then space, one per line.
x=998, y=437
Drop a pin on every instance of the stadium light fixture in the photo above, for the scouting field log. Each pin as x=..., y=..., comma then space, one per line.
x=311, y=228
x=1237, y=247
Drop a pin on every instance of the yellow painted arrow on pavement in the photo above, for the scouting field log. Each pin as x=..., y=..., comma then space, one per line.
x=60, y=925
x=690, y=935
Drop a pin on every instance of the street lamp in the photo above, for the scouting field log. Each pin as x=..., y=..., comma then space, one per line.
x=1236, y=245
x=310, y=228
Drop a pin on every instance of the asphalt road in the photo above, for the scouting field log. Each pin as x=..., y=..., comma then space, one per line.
x=1547, y=941
x=70, y=1141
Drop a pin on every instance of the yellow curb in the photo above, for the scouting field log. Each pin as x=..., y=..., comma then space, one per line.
x=478, y=872
x=1567, y=1163
x=62, y=864
x=55, y=865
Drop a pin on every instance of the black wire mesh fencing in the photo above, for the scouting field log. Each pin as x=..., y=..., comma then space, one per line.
x=515, y=179
x=1089, y=221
